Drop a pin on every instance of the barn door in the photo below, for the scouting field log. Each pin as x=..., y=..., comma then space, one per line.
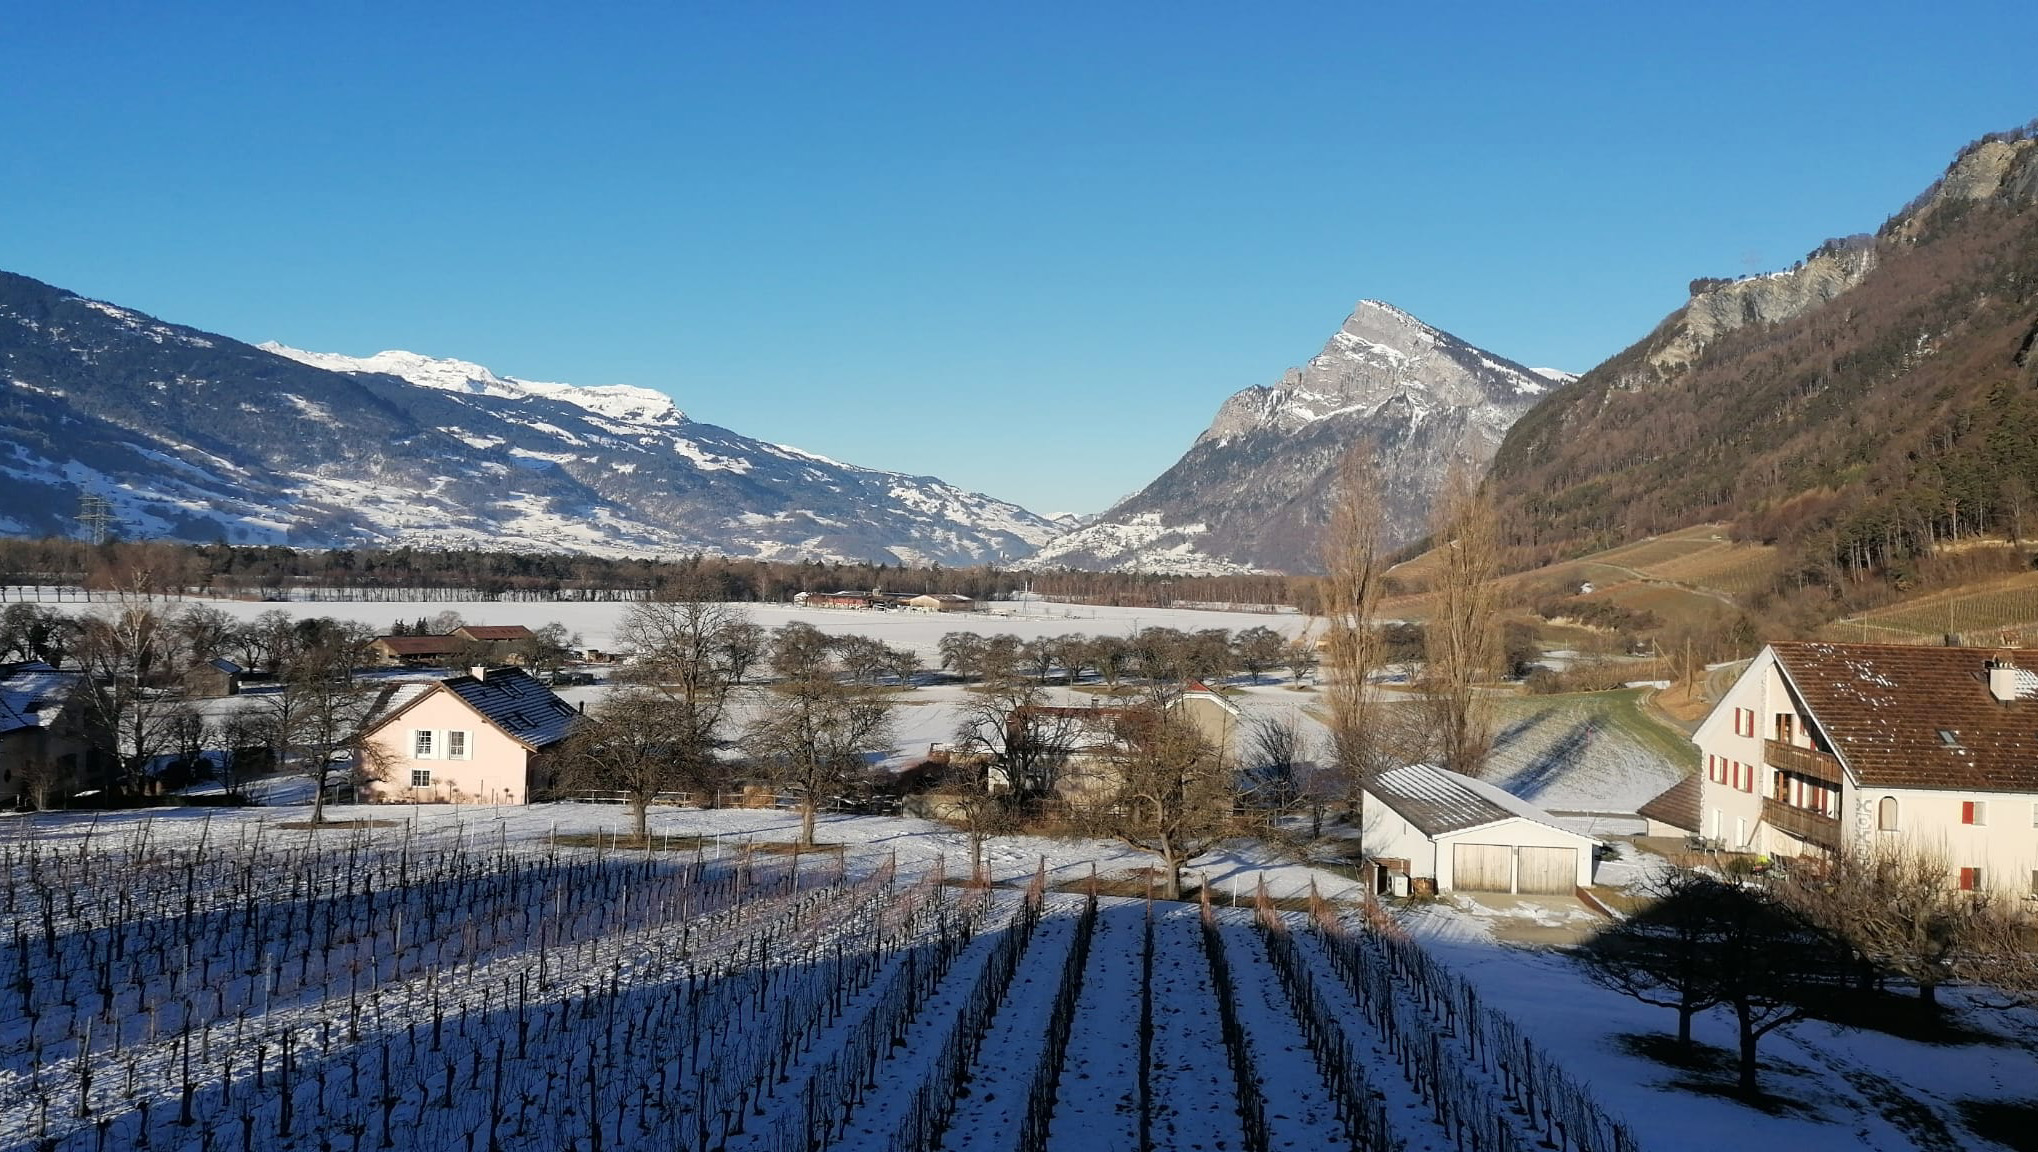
x=1547, y=871
x=1482, y=868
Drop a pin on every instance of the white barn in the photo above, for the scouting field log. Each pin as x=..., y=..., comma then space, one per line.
x=1462, y=834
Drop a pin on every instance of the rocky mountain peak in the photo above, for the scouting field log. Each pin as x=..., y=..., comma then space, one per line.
x=1252, y=490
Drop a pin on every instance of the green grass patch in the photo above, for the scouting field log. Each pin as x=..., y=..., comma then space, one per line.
x=1620, y=708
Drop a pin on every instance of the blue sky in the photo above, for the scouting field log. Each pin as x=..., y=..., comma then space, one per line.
x=1026, y=248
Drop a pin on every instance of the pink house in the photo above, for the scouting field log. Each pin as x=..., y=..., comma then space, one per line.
x=475, y=739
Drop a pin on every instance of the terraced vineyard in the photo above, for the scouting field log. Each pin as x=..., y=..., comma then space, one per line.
x=2006, y=611
x=434, y=992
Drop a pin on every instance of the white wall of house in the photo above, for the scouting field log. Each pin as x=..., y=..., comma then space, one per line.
x=493, y=770
x=1729, y=814
x=2004, y=846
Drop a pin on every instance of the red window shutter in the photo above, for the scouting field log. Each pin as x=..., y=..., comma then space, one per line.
x=1970, y=879
x=1966, y=817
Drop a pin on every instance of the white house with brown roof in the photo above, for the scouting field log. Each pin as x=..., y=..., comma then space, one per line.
x=1821, y=748
x=1450, y=832
x=475, y=739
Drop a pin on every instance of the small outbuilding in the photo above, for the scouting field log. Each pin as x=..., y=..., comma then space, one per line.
x=1451, y=832
x=941, y=602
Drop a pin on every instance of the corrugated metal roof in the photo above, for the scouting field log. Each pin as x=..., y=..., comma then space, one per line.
x=1438, y=802
x=517, y=704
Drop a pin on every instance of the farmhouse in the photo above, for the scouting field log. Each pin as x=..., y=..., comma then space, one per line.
x=45, y=747
x=413, y=651
x=1449, y=832
x=1823, y=748
x=481, y=738
x=843, y=599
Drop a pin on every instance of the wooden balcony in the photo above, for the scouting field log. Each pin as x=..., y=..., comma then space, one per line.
x=1808, y=762
x=1811, y=827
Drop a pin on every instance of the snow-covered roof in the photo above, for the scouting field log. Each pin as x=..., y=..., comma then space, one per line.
x=32, y=694
x=1438, y=801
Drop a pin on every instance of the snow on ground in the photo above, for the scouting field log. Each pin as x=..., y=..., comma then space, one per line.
x=1852, y=1088
x=1855, y=1088
x=919, y=631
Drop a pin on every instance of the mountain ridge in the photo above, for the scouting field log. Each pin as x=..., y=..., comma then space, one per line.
x=194, y=435
x=1858, y=408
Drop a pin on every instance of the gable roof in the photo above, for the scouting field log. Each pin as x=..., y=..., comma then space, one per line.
x=31, y=694
x=509, y=698
x=1438, y=802
x=493, y=632
x=516, y=703
x=1883, y=706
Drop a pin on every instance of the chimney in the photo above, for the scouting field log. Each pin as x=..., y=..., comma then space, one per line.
x=478, y=671
x=2002, y=679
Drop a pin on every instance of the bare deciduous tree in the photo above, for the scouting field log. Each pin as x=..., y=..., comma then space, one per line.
x=131, y=657
x=1708, y=942
x=1897, y=905
x=815, y=732
x=691, y=654
x=1168, y=791
x=1461, y=638
x=638, y=743
x=1353, y=569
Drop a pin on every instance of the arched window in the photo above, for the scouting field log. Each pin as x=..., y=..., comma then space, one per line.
x=1885, y=814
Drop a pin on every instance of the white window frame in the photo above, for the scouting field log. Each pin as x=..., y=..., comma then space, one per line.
x=424, y=744
x=421, y=777
x=1980, y=813
x=459, y=744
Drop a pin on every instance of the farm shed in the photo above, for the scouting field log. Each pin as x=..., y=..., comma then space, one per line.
x=1462, y=834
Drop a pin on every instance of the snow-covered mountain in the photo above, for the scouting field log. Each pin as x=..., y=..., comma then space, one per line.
x=1252, y=492
x=197, y=436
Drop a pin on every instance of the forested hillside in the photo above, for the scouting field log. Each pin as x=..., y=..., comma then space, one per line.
x=1860, y=410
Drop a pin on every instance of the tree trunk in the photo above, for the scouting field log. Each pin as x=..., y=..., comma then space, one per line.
x=1749, y=1039
x=318, y=794
x=1928, y=994
x=1684, y=1015
x=640, y=818
x=807, y=822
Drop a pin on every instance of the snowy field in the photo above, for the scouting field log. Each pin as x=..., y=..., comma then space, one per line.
x=919, y=631
x=454, y=978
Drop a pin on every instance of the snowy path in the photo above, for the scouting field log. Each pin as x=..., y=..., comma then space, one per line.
x=1300, y=1112
x=988, y=1117
x=874, y=1124
x=1195, y=1104
x=1098, y=1102
x=1408, y=1117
